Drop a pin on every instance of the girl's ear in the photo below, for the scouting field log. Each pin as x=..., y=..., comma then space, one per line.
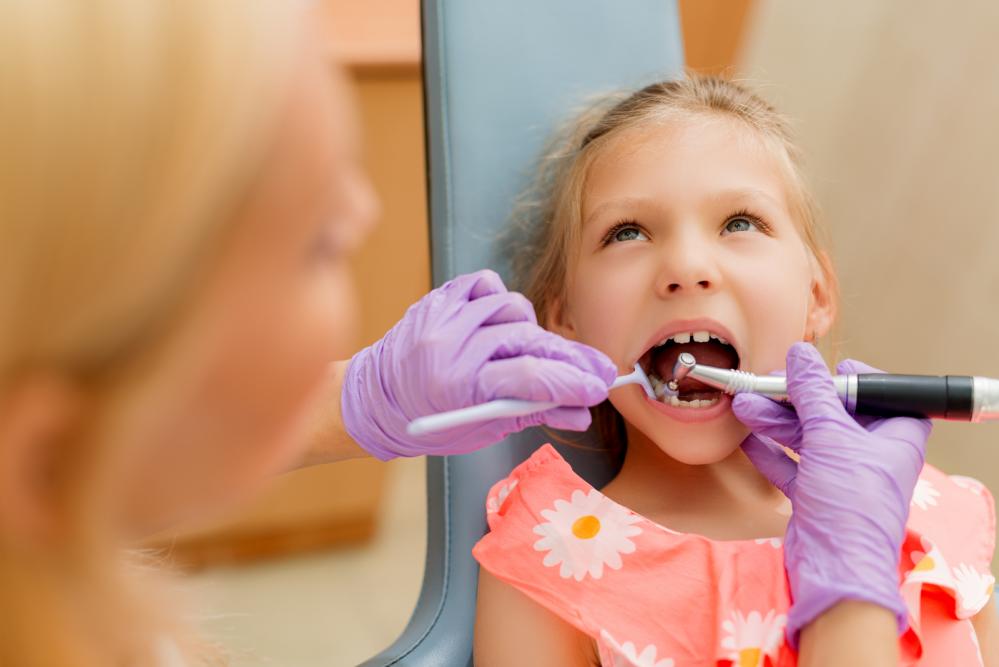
x=36, y=414
x=824, y=301
x=559, y=321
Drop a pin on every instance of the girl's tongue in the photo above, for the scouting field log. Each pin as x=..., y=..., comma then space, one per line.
x=711, y=353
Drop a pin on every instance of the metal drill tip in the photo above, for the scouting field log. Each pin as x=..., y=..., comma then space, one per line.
x=684, y=363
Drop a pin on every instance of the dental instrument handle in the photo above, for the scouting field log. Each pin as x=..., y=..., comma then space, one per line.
x=508, y=407
x=950, y=397
x=501, y=407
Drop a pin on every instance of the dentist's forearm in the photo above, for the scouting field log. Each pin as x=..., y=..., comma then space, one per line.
x=328, y=437
x=851, y=633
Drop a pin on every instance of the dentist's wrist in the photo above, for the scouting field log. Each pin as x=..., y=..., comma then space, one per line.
x=327, y=436
x=853, y=633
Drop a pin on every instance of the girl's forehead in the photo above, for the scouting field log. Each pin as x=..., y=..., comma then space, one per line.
x=702, y=156
x=704, y=137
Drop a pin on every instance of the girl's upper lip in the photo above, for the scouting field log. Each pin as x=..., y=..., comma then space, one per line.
x=689, y=325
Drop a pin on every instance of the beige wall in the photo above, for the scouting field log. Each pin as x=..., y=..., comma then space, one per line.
x=897, y=105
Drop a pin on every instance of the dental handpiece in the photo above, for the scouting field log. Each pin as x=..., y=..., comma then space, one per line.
x=950, y=397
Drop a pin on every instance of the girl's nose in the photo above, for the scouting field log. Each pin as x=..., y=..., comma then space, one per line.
x=688, y=267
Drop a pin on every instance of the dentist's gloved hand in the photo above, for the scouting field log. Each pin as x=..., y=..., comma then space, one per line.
x=467, y=342
x=850, y=493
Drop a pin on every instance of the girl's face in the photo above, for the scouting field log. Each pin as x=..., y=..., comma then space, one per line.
x=687, y=230
x=227, y=405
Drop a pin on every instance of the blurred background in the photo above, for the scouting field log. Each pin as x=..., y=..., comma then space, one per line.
x=895, y=103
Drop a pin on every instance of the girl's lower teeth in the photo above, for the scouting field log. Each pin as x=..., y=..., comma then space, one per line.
x=660, y=388
x=676, y=402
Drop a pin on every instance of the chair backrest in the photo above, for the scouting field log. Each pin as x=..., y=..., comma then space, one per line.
x=499, y=76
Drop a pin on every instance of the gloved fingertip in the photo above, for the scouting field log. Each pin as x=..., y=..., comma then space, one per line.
x=480, y=283
x=743, y=401
x=756, y=448
x=606, y=368
x=810, y=384
x=524, y=306
x=802, y=353
x=853, y=367
x=598, y=363
x=594, y=392
x=772, y=462
x=608, y=374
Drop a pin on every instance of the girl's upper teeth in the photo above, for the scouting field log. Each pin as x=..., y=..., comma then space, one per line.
x=697, y=336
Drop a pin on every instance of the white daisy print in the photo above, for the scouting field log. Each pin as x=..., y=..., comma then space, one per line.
x=626, y=655
x=749, y=639
x=924, y=494
x=973, y=589
x=585, y=533
x=775, y=542
x=969, y=483
x=494, y=504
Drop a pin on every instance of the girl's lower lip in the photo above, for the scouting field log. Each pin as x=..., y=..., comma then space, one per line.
x=693, y=414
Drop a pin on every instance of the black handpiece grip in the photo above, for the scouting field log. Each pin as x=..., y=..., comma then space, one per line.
x=940, y=397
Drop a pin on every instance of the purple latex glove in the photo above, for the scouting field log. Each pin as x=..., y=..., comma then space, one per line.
x=467, y=342
x=850, y=492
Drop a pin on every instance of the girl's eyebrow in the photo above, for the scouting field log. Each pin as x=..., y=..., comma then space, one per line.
x=728, y=195
x=742, y=194
x=622, y=202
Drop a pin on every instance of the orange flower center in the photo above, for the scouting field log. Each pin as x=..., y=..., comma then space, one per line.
x=586, y=527
x=749, y=657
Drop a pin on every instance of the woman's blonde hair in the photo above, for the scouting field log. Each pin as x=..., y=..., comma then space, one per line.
x=130, y=132
x=544, y=237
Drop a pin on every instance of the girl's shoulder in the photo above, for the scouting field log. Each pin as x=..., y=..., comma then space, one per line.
x=545, y=470
x=951, y=539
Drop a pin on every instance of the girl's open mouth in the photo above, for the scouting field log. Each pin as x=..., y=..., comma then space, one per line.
x=707, y=347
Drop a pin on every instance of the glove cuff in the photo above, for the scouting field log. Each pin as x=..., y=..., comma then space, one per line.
x=355, y=395
x=812, y=598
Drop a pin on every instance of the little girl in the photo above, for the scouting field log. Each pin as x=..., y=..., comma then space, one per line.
x=675, y=220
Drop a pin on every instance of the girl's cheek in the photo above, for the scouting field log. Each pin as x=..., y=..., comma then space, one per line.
x=601, y=302
x=777, y=309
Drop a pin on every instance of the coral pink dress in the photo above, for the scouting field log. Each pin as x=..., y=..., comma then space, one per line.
x=653, y=597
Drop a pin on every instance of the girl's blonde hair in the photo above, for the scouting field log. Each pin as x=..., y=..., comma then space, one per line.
x=545, y=234
x=130, y=132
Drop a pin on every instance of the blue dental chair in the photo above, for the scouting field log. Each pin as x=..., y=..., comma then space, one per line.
x=499, y=76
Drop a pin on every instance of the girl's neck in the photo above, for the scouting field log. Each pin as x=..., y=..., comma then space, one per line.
x=729, y=499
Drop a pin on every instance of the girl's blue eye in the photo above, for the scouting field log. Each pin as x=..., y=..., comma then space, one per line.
x=740, y=224
x=628, y=233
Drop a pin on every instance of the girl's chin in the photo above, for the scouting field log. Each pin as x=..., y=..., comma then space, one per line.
x=693, y=436
x=697, y=453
